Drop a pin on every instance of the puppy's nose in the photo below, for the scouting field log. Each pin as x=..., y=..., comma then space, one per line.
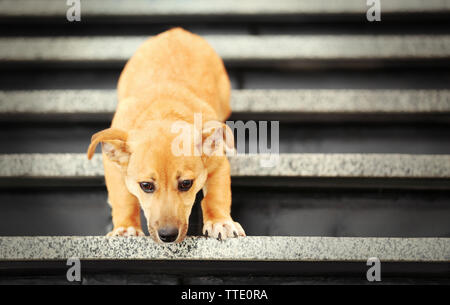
x=168, y=234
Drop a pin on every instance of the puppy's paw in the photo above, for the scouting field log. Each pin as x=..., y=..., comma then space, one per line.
x=222, y=229
x=122, y=231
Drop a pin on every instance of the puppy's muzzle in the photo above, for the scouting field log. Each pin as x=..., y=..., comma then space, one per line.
x=168, y=234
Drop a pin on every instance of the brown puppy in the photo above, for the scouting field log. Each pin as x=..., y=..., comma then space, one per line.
x=172, y=78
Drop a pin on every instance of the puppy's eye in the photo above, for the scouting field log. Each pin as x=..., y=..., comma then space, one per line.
x=148, y=187
x=184, y=185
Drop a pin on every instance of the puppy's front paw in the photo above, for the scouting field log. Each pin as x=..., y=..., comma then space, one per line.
x=122, y=231
x=222, y=229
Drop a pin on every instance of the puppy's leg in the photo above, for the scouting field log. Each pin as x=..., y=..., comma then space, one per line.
x=125, y=207
x=216, y=204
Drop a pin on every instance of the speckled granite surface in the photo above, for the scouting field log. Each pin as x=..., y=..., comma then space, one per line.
x=341, y=101
x=288, y=165
x=258, y=248
x=50, y=165
x=344, y=165
x=235, y=47
x=205, y=7
x=58, y=101
x=294, y=101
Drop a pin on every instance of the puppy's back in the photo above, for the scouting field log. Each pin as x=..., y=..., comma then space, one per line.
x=179, y=59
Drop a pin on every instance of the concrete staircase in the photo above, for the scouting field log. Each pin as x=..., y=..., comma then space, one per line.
x=364, y=169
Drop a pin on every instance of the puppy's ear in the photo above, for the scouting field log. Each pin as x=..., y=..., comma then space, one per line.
x=114, y=145
x=217, y=139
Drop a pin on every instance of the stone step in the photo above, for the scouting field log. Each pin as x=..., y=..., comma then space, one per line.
x=346, y=212
x=219, y=11
x=286, y=105
x=331, y=170
x=250, y=256
x=257, y=248
x=61, y=134
x=239, y=50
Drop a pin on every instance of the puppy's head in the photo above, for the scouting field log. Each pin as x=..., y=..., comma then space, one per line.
x=164, y=182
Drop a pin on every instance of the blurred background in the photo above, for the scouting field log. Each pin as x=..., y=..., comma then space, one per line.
x=337, y=82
